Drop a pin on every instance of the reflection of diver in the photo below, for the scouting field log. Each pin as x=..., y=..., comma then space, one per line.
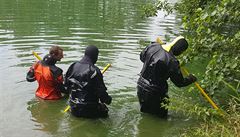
x=152, y=126
x=45, y=114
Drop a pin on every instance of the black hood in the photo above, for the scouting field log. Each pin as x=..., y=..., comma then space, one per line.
x=180, y=46
x=49, y=60
x=92, y=53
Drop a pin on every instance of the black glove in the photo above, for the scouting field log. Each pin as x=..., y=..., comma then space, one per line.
x=192, y=78
x=30, y=75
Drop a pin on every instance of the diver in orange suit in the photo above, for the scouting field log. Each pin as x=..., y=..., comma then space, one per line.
x=48, y=75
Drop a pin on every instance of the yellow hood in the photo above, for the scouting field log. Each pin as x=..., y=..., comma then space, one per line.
x=168, y=46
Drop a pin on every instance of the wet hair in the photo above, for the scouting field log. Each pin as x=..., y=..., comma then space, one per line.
x=54, y=50
x=92, y=52
x=180, y=46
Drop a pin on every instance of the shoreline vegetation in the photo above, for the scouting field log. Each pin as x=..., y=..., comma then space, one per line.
x=213, y=31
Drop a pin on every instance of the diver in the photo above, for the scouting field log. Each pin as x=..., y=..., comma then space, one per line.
x=48, y=75
x=160, y=64
x=85, y=83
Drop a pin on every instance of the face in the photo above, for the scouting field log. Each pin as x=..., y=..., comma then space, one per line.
x=59, y=56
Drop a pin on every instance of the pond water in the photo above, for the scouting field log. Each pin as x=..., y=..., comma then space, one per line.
x=115, y=27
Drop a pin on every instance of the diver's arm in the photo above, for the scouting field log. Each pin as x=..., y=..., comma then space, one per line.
x=58, y=78
x=30, y=74
x=177, y=78
x=101, y=89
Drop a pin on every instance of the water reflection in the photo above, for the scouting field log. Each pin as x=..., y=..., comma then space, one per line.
x=45, y=115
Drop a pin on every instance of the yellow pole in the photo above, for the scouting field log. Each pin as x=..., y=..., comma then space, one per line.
x=159, y=41
x=36, y=55
x=196, y=84
x=202, y=91
x=105, y=69
x=66, y=109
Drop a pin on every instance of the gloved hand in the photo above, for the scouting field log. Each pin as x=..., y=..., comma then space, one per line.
x=30, y=75
x=192, y=78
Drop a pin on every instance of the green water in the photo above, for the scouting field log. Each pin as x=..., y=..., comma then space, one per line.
x=115, y=27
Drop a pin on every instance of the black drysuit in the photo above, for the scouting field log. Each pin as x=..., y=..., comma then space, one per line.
x=87, y=89
x=159, y=65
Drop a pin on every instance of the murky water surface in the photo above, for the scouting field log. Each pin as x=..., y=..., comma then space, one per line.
x=115, y=27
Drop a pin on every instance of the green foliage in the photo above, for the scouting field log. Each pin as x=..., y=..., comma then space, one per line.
x=224, y=126
x=214, y=30
x=211, y=122
x=151, y=9
x=183, y=105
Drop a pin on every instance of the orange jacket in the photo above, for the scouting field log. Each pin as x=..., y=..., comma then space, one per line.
x=47, y=85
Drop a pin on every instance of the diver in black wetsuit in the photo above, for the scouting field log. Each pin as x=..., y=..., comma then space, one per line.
x=160, y=64
x=88, y=94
